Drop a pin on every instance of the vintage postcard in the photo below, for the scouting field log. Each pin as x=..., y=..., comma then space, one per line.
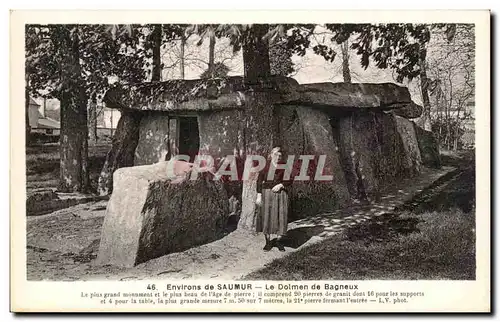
x=250, y=161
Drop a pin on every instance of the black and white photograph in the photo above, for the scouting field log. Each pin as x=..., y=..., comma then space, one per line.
x=281, y=152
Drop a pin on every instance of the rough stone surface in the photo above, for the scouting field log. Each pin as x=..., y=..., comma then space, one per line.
x=122, y=150
x=311, y=197
x=411, y=155
x=237, y=118
x=409, y=111
x=195, y=95
x=351, y=96
x=360, y=154
x=153, y=212
x=392, y=149
x=41, y=203
x=429, y=147
x=292, y=132
x=260, y=136
x=232, y=93
x=377, y=150
x=221, y=133
x=153, y=142
x=400, y=155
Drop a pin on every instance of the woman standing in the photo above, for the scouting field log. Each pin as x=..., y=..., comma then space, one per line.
x=272, y=199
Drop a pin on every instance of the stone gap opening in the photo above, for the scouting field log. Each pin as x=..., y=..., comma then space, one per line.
x=189, y=136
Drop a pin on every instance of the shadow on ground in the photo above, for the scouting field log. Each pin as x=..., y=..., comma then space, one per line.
x=299, y=236
x=457, y=190
x=431, y=237
x=382, y=229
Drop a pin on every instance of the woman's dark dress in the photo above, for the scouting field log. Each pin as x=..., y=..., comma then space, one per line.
x=273, y=215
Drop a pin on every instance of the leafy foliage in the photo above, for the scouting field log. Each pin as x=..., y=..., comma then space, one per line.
x=451, y=71
x=284, y=41
x=280, y=59
x=106, y=52
x=220, y=70
x=402, y=47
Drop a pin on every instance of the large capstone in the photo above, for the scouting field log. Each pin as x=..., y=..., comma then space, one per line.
x=197, y=95
x=352, y=96
x=153, y=212
x=409, y=111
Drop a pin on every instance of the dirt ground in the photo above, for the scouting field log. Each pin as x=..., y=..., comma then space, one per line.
x=62, y=245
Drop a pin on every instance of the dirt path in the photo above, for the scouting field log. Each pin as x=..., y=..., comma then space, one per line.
x=62, y=245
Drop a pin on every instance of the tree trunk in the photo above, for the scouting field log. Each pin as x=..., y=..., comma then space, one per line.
x=181, y=58
x=346, y=73
x=211, y=56
x=156, y=44
x=27, y=116
x=111, y=123
x=122, y=150
x=456, y=138
x=439, y=117
x=424, y=86
x=256, y=54
x=449, y=116
x=74, y=131
x=92, y=121
x=447, y=131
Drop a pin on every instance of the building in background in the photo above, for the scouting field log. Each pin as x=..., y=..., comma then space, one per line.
x=45, y=118
x=110, y=118
x=469, y=136
x=39, y=121
x=466, y=118
x=107, y=121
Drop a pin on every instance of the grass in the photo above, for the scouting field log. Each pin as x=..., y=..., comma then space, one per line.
x=433, y=238
x=441, y=247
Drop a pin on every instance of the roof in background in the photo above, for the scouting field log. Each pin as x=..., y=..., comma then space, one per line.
x=53, y=114
x=48, y=123
x=33, y=102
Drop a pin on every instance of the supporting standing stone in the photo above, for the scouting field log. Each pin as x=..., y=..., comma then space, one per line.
x=411, y=155
x=149, y=215
x=320, y=195
x=429, y=147
x=153, y=145
x=122, y=151
x=221, y=133
x=360, y=154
